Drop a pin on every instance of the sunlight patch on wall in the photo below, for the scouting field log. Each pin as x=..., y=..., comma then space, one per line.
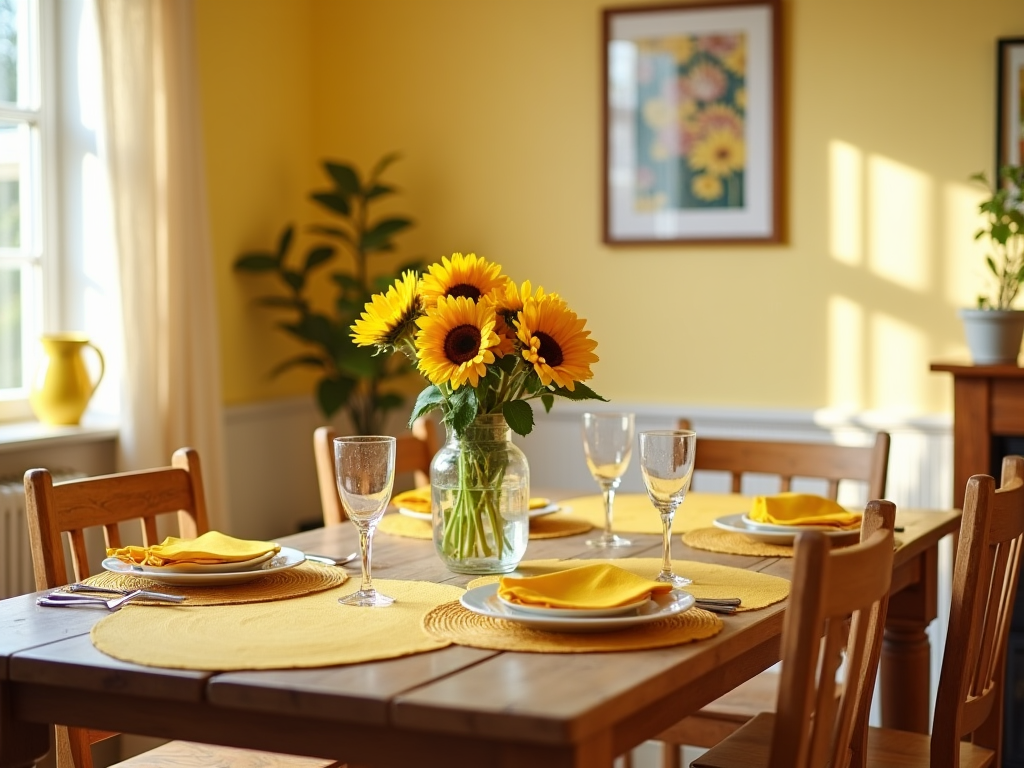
x=846, y=364
x=899, y=223
x=898, y=364
x=965, y=274
x=846, y=202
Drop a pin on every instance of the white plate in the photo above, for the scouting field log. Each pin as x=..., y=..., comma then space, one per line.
x=484, y=600
x=243, y=565
x=574, y=613
x=286, y=558
x=552, y=507
x=735, y=524
x=780, y=528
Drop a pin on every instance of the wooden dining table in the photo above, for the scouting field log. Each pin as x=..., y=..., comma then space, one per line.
x=454, y=706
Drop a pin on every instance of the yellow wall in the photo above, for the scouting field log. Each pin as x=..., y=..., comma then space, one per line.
x=495, y=106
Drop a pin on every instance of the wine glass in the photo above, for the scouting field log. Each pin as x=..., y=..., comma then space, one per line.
x=666, y=462
x=608, y=444
x=365, y=470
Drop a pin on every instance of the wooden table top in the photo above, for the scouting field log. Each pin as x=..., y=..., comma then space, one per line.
x=483, y=706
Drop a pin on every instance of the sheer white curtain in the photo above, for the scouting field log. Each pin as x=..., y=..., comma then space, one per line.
x=153, y=146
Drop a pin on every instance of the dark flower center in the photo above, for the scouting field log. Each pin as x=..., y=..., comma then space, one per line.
x=549, y=350
x=464, y=289
x=462, y=343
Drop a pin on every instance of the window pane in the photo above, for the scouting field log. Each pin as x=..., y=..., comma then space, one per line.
x=13, y=151
x=11, y=14
x=10, y=328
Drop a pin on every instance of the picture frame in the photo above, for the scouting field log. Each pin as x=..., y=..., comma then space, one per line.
x=1009, y=102
x=692, y=123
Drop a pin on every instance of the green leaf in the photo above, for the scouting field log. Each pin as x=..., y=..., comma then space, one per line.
x=341, y=234
x=296, y=362
x=519, y=416
x=332, y=394
x=379, y=190
x=549, y=401
x=383, y=163
x=334, y=202
x=389, y=401
x=462, y=411
x=378, y=237
x=581, y=392
x=258, y=261
x=430, y=399
x=346, y=178
x=992, y=266
x=295, y=280
x=318, y=256
x=361, y=362
x=285, y=242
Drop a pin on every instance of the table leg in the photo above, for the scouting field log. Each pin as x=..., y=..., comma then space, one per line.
x=21, y=744
x=906, y=651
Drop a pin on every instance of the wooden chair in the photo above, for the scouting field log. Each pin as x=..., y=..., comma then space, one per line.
x=838, y=600
x=787, y=461
x=967, y=725
x=413, y=454
x=106, y=501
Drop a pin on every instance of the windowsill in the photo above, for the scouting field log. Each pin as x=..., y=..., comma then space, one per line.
x=15, y=436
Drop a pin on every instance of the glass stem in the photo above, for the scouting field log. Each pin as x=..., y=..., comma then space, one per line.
x=365, y=542
x=609, y=499
x=666, y=543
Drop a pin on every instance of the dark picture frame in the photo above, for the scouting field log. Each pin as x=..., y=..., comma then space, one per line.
x=1009, y=102
x=692, y=129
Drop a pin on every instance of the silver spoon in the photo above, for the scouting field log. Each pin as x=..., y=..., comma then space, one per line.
x=326, y=560
x=66, y=599
x=146, y=594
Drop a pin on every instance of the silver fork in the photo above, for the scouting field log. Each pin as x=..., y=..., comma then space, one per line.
x=143, y=593
x=65, y=599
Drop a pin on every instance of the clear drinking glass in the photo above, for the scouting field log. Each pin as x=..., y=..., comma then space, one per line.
x=608, y=444
x=365, y=470
x=666, y=462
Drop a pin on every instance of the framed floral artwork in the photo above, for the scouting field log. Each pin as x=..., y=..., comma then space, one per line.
x=1010, y=103
x=692, y=123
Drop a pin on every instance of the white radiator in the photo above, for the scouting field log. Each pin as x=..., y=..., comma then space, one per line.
x=15, y=551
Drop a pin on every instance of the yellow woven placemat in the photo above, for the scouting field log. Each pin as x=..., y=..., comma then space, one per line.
x=731, y=543
x=551, y=526
x=755, y=590
x=455, y=624
x=634, y=512
x=310, y=631
x=303, y=579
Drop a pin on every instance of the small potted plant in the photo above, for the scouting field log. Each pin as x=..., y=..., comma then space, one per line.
x=994, y=329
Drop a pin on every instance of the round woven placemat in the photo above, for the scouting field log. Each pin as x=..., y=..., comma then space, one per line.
x=458, y=625
x=553, y=526
x=310, y=631
x=303, y=579
x=730, y=543
x=755, y=590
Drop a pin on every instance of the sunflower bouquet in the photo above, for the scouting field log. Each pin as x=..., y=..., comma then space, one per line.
x=488, y=346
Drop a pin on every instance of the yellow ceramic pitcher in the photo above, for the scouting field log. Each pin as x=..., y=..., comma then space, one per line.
x=62, y=388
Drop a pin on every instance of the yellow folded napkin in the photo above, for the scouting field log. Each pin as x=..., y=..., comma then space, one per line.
x=418, y=500
x=210, y=548
x=803, y=509
x=589, y=586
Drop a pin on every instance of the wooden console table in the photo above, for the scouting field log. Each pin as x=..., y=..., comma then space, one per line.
x=988, y=402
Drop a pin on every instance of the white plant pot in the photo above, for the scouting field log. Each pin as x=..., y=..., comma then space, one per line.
x=993, y=335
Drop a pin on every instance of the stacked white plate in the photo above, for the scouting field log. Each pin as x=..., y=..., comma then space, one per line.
x=772, y=533
x=485, y=601
x=198, y=575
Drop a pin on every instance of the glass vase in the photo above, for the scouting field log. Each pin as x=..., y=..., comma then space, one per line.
x=480, y=499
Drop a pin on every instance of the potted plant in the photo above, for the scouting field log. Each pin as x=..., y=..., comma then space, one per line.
x=994, y=329
x=352, y=378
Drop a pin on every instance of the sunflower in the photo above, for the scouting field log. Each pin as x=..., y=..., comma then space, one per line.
x=508, y=304
x=721, y=153
x=456, y=341
x=707, y=186
x=469, y=276
x=388, y=316
x=555, y=343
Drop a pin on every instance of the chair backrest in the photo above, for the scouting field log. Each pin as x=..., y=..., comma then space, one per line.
x=969, y=700
x=105, y=501
x=75, y=506
x=413, y=453
x=838, y=602
x=789, y=460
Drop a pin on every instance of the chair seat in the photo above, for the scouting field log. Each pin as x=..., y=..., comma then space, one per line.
x=887, y=748
x=190, y=754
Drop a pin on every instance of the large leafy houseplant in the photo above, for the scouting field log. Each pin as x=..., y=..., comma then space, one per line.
x=352, y=378
x=994, y=328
